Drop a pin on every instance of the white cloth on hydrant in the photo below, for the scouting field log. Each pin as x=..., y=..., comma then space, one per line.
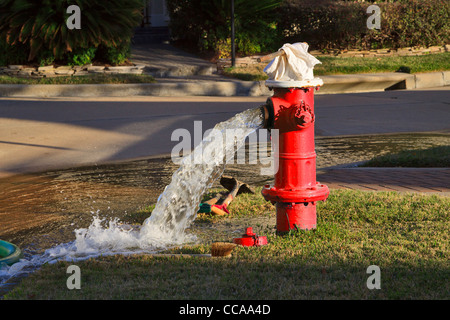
x=295, y=65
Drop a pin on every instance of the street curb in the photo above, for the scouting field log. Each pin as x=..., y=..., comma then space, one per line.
x=204, y=88
x=333, y=84
x=366, y=82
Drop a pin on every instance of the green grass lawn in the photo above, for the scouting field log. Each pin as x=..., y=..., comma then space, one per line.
x=88, y=79
x=352, y=65
x=406, y=235
x=438, y=157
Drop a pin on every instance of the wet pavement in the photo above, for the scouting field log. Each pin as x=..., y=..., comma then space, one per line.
x=41, y=210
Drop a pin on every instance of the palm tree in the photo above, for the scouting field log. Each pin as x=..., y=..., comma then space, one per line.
x=41, y=24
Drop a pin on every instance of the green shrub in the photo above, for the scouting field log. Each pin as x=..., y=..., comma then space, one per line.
x=41, y=24
x=15, y=54
x=45, y=58
x=328, y=24
x=263, y=26
x=263, y=38
x=416, y=23
x=206, y=24
x=118, y=55
x=81, y=57
x=114, y=55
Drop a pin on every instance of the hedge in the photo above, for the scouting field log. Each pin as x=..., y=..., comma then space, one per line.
x=331, y=24
x=204, y=25
x=324, y=24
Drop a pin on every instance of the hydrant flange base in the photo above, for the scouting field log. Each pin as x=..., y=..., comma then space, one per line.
x=318, y=193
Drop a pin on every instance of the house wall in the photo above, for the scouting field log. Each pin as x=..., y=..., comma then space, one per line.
x=157, y=13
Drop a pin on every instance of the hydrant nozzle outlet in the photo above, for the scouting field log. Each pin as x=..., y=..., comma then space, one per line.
x=267, y=111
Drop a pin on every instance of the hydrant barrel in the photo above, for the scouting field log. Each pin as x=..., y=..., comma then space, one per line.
x=295, y=189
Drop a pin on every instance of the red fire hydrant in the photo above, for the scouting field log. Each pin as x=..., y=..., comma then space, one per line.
x=295, y=190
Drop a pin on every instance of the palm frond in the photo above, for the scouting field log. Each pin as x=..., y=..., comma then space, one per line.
x=42, y=23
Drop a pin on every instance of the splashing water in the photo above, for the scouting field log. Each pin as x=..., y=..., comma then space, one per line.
x=178, y=204
x=175, y=209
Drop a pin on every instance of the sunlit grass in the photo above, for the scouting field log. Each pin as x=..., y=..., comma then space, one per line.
x=406, y=235
x=354, y=65
x=87, y=79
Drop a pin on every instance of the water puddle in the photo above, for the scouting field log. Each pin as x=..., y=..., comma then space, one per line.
x=348, y=150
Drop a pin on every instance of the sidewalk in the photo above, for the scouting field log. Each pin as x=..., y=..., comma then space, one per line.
x=166, y=61
x=414, y=180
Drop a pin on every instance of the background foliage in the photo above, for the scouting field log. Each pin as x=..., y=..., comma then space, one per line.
x=205, y=25
x=263, y=26
x=329, y=24
x=34, y=31
x=38, y=29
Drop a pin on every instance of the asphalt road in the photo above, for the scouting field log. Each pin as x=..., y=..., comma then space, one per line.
x=46, y=134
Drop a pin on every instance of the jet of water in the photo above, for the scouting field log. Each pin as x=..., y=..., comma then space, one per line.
x=177, y=206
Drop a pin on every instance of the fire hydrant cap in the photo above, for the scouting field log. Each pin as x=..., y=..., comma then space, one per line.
x=249, y=232
x=249, y=239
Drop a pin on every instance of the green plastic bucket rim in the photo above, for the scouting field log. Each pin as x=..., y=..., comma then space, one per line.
x=9, y=253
